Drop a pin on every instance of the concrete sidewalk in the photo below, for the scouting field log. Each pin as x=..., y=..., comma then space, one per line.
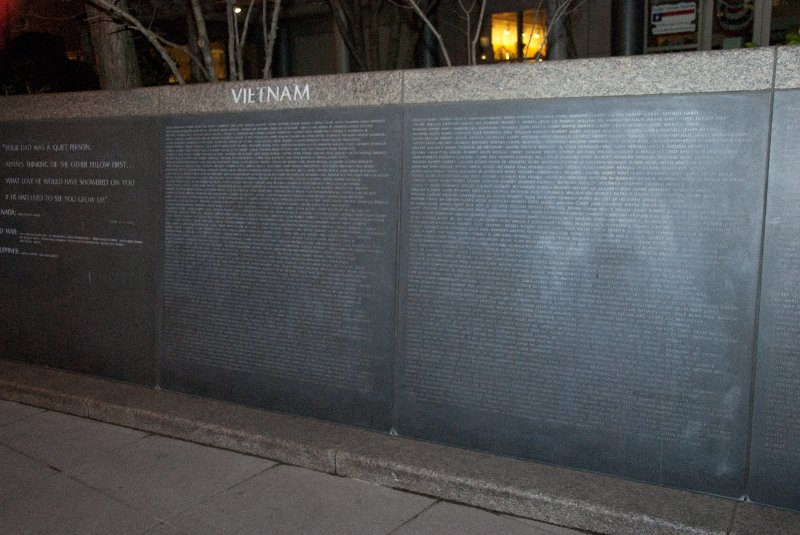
x=55, y=468
x=65, y=474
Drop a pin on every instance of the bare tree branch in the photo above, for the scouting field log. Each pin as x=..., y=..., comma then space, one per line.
x=344, y=25
x=468, y=31
x=433, y=30
x=478, y=26
x=246, y=24
x=269, y=38
x=229, y=5
x=186, y=51
x=357, y=30
x=151, y=36
x=373, y=50
x=392, y=59
x=564, y=9
x=240, y=39
x=202, y=41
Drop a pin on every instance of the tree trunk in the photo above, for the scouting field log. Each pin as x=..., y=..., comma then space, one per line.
x=202, y=40
x=392, y=60
x=270, y=35
x=114, y=52
x=229, y=5
x=373, y=36
x=191, y=31
x=556, y=30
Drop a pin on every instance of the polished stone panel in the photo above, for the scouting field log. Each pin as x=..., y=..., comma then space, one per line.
x=775, y=470
x=281, y=247
x=80, y=245
x=578, y=281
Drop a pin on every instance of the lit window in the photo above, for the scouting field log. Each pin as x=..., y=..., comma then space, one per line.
x=514, y=36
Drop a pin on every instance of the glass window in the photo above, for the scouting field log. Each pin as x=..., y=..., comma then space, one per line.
x=534, y=29
x=733, y=23
x=514, y=36
x=785, y=21
x=672, y=26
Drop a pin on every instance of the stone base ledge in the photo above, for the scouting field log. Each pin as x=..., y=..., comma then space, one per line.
x=546, y=493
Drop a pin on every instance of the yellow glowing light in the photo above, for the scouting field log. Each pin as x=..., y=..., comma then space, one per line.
x=533, y=23
x=513, y=33
x=504, y=36
x=237, y=10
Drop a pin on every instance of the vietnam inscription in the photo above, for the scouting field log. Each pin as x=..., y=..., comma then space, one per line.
x=280, y=243
x=578, y=282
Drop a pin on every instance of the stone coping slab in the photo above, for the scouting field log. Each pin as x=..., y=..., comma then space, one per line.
x=562, y=496
x=343, y=90
x=787, y=69
x=696, y=72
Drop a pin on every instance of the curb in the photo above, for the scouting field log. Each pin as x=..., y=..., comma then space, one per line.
x=545, y=493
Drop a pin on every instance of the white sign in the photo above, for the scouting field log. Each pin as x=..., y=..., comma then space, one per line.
x=674, y=18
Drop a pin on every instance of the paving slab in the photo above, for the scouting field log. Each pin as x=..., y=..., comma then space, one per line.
x=18, y=471
x=60, y=505
x=64, y=441
x=546, y=529
x=162, y=529
x=754, y=519
x=12, y=412
x=552, y=494
x=290, y=500
x=293, y=440
x=544, y=493
x=163, y=476
x=452, y=519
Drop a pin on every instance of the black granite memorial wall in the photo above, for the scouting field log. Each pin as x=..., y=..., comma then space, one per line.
x=775, y=472
x=605, y=283
x=280, y=260
x=80, y=245
x=578, y=281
